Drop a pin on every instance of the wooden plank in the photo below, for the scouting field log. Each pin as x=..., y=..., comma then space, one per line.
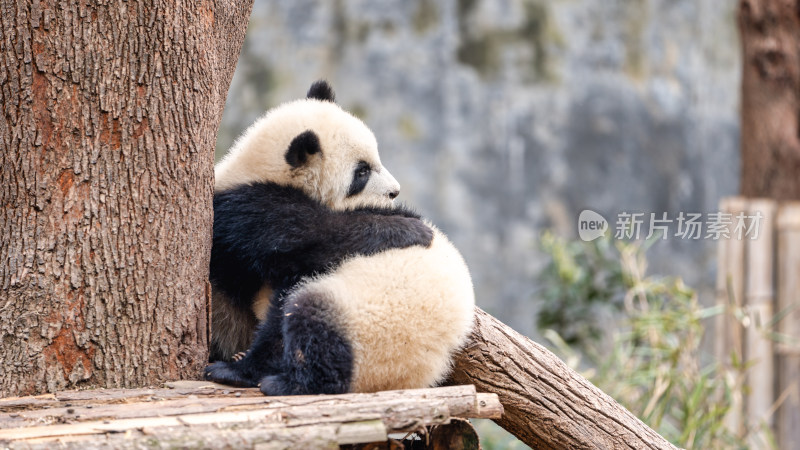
x=108, y=396
x=204, y=407
x=788, y=360
x=487, y=405
x=360, y=432
x=184, y=388
x=398, y=414
x=461, y=401
x=247, y=435
x=759, y=298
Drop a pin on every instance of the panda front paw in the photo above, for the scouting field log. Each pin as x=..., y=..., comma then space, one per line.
x=227, y=373
x=418, y=233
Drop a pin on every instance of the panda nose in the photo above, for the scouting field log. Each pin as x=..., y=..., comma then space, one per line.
x=393, y=195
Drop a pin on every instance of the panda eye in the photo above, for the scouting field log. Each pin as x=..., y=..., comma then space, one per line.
x=360, y=179
x=362, y=171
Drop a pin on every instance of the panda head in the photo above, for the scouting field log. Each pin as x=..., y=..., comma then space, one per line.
x=314, y=145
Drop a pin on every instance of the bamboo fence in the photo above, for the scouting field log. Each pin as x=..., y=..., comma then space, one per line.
x=758, y=283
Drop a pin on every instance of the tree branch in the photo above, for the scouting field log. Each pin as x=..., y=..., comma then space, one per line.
x=547, y=404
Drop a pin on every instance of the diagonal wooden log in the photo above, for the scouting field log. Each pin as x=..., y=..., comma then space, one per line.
x=546, y=403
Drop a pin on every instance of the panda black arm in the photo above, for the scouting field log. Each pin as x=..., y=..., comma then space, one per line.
x=278, y=234
x=399, y=210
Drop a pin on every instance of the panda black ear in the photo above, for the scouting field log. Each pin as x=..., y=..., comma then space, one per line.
x=321, y=90
x=303, y=145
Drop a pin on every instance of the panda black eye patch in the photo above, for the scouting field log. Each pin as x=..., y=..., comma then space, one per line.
x=360, y=178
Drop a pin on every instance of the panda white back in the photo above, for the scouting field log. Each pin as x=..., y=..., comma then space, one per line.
x=406, y=311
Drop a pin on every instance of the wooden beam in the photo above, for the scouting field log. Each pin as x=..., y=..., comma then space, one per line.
x=202, y=414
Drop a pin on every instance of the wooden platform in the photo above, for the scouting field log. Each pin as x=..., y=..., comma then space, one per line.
x=196, y=414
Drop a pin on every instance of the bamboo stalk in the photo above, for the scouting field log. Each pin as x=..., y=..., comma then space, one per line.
x=759, y=298
x=730, y=292
x=788, y=359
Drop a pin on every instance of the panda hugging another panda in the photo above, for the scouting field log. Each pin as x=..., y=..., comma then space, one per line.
x=328, y=285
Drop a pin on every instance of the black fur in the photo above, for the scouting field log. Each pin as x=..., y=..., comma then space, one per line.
x=300, y=349
x=263, y=356
x=266, y=233
x=303, y=145
x=317, y=357
x=321, y=90
x=270, y=234
x=360, y=179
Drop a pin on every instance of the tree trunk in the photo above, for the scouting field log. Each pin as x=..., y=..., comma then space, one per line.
x=546, y=404
x=109, y=117
x=770, y=33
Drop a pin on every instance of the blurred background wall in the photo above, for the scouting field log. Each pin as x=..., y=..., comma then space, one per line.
x=501, y=118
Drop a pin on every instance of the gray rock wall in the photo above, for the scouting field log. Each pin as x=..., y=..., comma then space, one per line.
x=502, y=118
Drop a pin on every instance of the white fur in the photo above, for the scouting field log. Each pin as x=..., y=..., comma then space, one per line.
x=404, y=311
x=261, y=302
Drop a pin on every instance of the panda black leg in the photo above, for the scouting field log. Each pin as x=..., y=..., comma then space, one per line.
x=245, y=370
x=317, y=357
x=261, y=359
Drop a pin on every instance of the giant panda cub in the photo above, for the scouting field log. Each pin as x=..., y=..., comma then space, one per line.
x=360, y=295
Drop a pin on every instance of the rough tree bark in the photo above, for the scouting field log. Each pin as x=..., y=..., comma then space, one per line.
x=109, y=116
x=546, y=404
x=770, y=33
